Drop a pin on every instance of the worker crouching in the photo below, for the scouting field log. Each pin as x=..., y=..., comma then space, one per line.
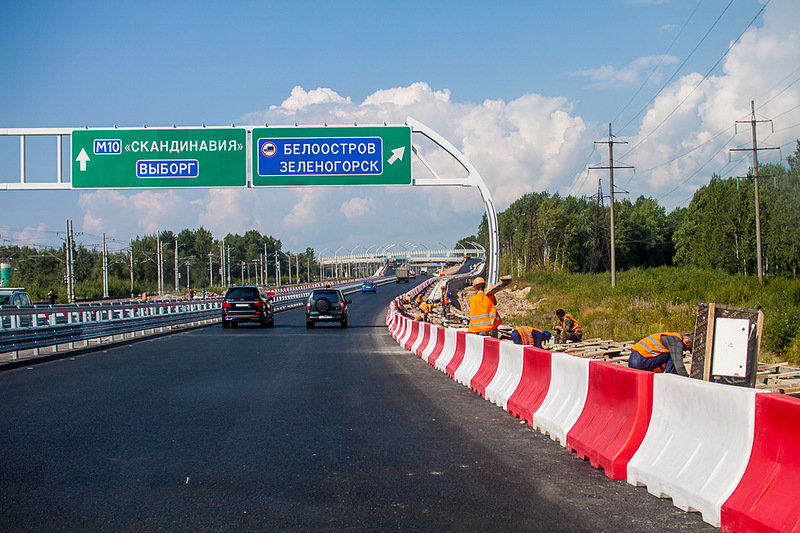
x=528, y=336
x=661, y=352
x=567, y=328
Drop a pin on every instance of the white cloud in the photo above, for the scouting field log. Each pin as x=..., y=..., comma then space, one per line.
x=689, y=113
x=534, y=142
x=636, y=72
x=357, y=207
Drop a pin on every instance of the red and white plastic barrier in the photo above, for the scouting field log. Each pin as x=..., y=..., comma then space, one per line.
x=614, y=419
x=448, y=350
x=730, y=453
x=768, y=495
x=471, y=362
x=488, y=367
x=697, y=445
x=569, y=380
x=534, y=383
x=509, y=373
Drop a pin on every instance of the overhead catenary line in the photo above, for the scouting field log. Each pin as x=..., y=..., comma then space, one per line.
x=705, y=77
x=655, y=68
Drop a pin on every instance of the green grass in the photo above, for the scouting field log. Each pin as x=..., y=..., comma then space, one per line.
x=649, y=300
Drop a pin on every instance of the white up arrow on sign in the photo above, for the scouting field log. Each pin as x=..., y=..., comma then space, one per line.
x=397, y=154
x=82, y=158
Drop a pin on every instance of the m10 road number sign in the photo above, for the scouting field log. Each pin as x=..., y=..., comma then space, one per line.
x=332, y=155
x=150, y=158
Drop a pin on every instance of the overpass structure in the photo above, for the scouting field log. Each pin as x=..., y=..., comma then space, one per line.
x=366, y=263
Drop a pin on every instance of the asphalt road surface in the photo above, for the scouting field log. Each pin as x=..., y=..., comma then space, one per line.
x=288, y=429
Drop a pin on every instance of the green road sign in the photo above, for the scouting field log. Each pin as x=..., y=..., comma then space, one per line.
x=148, y=158
x=332, y=155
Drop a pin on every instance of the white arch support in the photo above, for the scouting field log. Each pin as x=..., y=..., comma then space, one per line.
x=473, y=179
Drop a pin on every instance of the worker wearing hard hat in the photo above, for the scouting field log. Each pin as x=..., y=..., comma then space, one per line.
x=529, y=336
x=483, y=316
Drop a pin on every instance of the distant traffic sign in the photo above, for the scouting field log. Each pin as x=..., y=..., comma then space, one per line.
x=147, y=158
x=332, y=155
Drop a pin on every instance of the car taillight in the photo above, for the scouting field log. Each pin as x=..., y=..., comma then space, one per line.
x=308, y=305
x=226, y=304
x=343, y=305
x=259, y=304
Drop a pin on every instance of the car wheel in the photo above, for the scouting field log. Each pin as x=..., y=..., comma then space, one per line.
x=226, y=324
x=310, y=324
x=344, y=323
x=271, y=322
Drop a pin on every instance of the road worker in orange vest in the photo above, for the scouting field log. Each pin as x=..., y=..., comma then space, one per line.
x=446, y=299
x=425, y=309
x=483, y=316
x=528, y=336
x=661, y=352
x=567, y=328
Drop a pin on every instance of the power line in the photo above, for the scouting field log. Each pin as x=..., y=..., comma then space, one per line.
x=669, y=115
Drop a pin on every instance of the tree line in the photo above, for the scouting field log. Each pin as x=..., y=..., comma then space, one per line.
x=717, y=230
x=199, y=264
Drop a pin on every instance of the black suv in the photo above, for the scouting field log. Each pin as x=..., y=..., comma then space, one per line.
x=326, y=305
x=247, y=304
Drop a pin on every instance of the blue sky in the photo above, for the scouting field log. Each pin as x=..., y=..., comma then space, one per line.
x=522, y=88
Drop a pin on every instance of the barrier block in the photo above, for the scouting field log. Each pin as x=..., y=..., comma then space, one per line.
x=413, y=333
x=698, y=443
x=473, y=355
x=448, y=350
x=569, y=380
x=458, y=353
x=533, y=384
x=423, y=337
x=404, y=331
x=488, y=366
x=614, y=419
x=509, y=372
x=768, y=496
x=437, y=345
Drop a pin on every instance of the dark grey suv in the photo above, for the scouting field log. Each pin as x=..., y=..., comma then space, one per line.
x=247, y=304
x=326, y=305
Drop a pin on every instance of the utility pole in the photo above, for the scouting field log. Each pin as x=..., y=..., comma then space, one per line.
x=105, y=267
x=600, y=246
x=222, y=259
x=131, y=269
x=70, y=261
x=755, y=150
x=611, y=142
x=177, y=269
x=159, y=260
x=277, y=270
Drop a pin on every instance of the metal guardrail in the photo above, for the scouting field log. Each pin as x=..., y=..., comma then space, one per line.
x=41, y=326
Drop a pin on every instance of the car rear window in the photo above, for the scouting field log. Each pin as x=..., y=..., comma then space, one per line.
x=330, y=295
x=243, y=293
x=4, y=298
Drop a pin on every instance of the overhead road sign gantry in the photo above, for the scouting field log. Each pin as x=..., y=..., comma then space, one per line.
x=331, y=155
x=156, y=158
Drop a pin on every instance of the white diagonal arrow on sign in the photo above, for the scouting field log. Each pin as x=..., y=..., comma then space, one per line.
x=83, y=158
x=397, y=154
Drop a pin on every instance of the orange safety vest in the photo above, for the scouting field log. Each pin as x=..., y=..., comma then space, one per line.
x=445, y=296
x=575, y=326
x=482, y=314
x=526, y=334
x=652, y=346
